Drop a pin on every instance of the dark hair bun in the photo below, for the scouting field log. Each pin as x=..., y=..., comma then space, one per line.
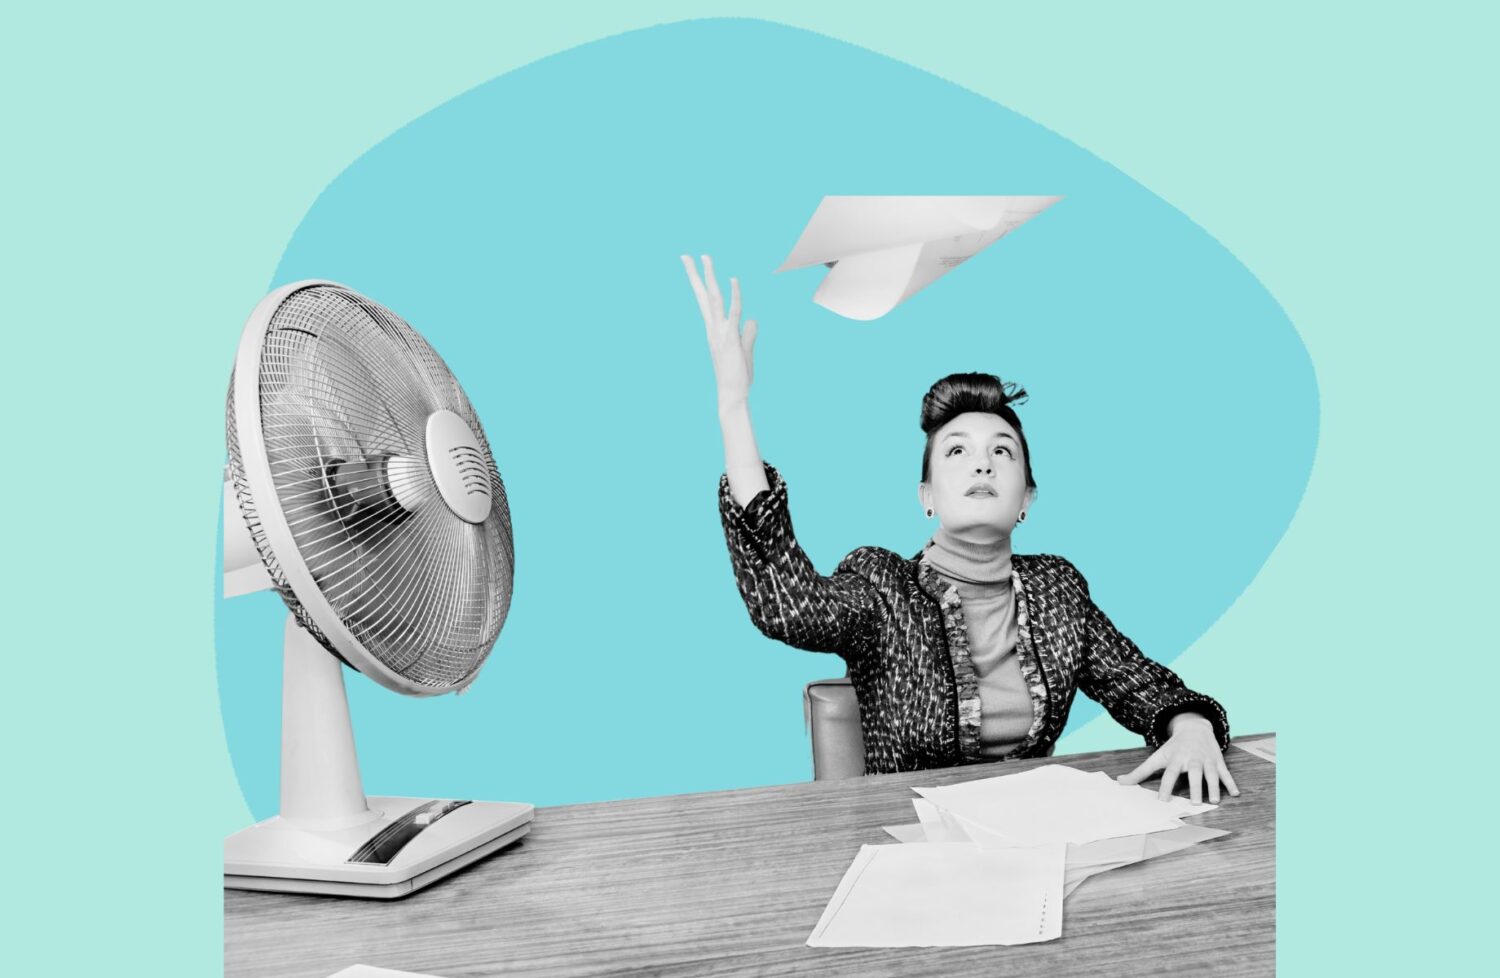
x=959, y=394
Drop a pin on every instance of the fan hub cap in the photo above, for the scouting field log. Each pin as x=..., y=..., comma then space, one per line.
x=458, y=466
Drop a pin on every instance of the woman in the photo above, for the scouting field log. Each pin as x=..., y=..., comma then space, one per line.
x=965, y=653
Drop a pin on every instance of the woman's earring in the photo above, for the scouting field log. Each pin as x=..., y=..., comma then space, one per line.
x=929, y=512
x=1022, y=517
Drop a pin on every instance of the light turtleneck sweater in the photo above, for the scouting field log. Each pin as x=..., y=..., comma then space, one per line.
x=982, y=575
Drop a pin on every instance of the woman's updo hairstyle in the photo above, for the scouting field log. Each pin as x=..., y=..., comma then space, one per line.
x=959, y=394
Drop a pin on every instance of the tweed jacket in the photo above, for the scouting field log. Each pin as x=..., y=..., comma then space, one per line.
x=900, y=630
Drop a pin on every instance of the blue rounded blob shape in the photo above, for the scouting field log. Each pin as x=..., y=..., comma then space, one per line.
x=531, y=229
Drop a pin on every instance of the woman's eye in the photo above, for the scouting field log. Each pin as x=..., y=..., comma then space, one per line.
x=1002, y=450
x=953, y=451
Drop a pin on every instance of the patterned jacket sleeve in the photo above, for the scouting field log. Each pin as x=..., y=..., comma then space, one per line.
x=1140, y=693
x=787, y=598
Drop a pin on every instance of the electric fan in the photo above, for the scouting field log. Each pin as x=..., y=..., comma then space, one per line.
x=361, y=487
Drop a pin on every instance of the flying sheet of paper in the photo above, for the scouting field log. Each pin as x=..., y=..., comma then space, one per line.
x=884, y=250
x=1057, y=803
x=1265, y=747
x=945, y=895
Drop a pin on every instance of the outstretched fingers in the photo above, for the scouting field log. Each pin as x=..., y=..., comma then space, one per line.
x=732, y=348
x=698, y=290
x=715, y=297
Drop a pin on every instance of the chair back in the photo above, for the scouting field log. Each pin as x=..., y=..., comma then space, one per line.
x=832, y=713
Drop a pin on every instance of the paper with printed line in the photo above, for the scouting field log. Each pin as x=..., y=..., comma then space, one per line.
x=945, y=895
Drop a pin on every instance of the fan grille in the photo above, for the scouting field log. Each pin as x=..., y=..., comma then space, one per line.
x=346, y=387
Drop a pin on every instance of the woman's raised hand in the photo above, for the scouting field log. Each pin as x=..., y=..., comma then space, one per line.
x=733, y=350
x=734, y=367
x=1193, y=750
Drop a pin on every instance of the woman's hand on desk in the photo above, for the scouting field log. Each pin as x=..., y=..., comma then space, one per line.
x=1192, y=749
x=733, y=351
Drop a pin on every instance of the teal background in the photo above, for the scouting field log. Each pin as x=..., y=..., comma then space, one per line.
x=159, y=159
x=1172, y=425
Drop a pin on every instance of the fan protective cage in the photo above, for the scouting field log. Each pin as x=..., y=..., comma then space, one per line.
x=331, y=477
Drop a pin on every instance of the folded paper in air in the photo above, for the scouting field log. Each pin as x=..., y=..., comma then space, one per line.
x=883, y=250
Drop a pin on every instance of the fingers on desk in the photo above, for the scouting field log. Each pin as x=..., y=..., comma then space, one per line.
x=1227, y=778
x=1144, y=770
x=1169, y=780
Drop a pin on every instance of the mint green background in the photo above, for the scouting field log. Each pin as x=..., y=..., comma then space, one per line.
x=156, y=163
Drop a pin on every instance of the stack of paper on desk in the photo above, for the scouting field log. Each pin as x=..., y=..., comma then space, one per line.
x=886, y=249
x=1056, y=803
x=1011, y=847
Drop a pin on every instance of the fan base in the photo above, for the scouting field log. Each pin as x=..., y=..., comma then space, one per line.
x=281, y=856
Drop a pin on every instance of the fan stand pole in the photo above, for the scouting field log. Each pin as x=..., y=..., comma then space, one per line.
x=317, y=843
x=320, y=783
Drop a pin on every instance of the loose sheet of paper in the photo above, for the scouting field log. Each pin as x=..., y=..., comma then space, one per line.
x=886, y=249
x=1093, y=858
x=1090, y=858
x=367, y=971
x=945, y=895
x=1018, y=843
x=938, y=825
x=1056, y=803
x=1265, y=747
x=906, y=833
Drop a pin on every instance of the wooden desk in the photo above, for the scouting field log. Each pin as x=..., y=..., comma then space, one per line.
x=731, y=883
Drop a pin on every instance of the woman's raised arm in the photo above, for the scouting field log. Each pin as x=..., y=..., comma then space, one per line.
x=733, y=354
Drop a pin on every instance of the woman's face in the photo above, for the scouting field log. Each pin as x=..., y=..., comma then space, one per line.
x=976, y=476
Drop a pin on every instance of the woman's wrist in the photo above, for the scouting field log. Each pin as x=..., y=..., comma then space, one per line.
x=742, y=462
x=733, y=406
x=1188, y=719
